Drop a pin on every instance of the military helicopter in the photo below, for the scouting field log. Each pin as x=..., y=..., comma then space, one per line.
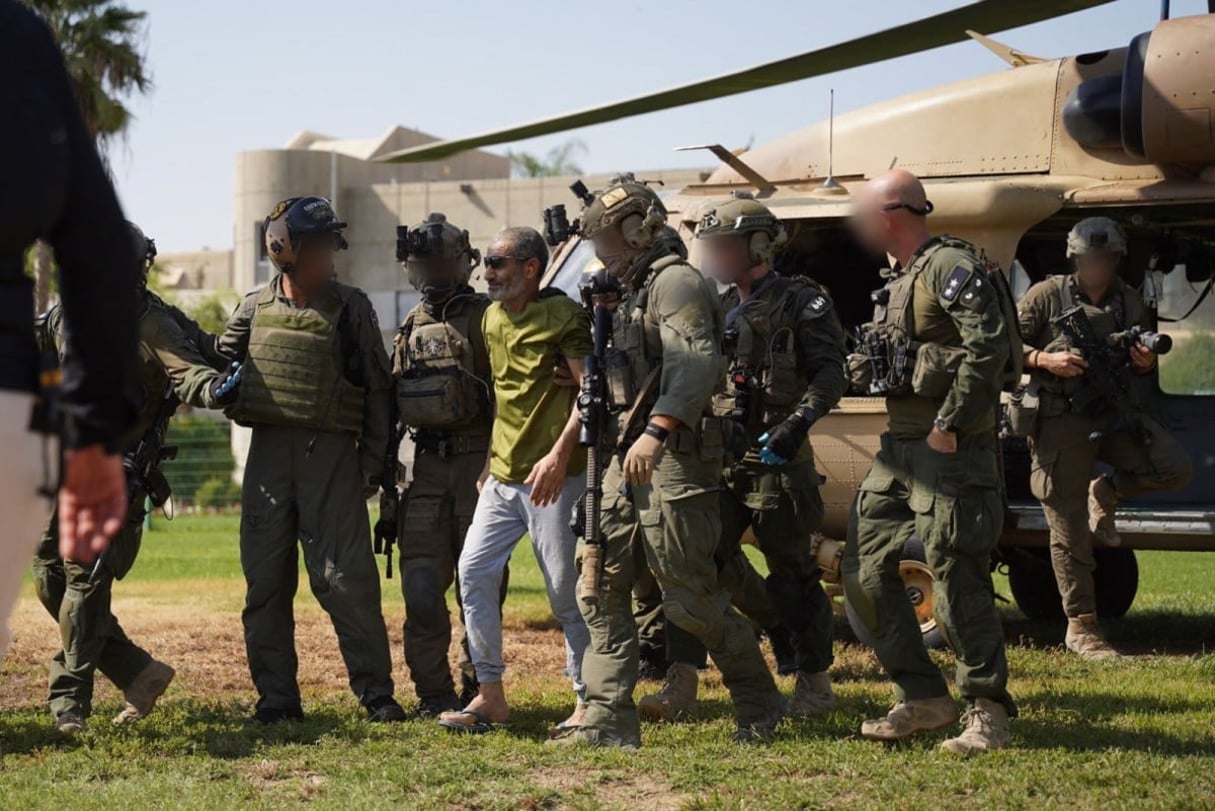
x=1127, y=133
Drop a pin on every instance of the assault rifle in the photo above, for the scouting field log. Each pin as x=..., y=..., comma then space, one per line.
x=1107, y=385
x=600, y=294
x=142, y=465
x=385, y=532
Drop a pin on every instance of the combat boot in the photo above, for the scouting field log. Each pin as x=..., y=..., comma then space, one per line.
x=1084, y=638
x=1102, y=504
x=676, y=699
x=782, y=650
x=812, y=695
x=70, y=723
x=912, y=717
x=434, y=706
x=141, y=694
x=986, y=729
x=764, y=729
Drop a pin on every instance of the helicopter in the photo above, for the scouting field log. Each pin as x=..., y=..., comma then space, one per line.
x=1127, y=133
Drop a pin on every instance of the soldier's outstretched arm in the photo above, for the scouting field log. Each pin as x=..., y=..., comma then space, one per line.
x=691, y=358
x=968, y=298
x=377, y=384
x=193, y=376
x=820, y=340
x=233, y=344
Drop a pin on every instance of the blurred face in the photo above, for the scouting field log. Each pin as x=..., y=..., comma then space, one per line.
x=509, y=278
x=427, y=275
x=612, y=250
x=1096, y=268
x=314, y=264
x=725, y=258
x=872, y=224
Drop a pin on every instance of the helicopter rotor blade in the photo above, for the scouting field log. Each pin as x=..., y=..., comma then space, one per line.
x=990, y=16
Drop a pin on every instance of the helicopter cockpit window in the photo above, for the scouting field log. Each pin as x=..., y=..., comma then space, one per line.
x=568, y=276
x=1189, y=369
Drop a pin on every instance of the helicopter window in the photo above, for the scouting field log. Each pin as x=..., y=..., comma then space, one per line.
x=1189, y=369
x=568, y=275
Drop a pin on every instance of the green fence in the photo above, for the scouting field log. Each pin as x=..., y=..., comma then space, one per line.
x=201, y=475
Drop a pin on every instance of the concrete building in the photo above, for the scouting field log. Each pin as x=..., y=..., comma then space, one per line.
x=474, y=190
x=196, y=270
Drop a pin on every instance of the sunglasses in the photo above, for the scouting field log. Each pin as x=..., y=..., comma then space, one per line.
x=919, y=212
x=496, y=261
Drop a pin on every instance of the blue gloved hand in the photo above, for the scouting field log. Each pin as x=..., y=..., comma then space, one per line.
x=225, y=389
x=781, y=444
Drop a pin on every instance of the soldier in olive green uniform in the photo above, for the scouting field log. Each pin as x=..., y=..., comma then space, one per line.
x=1144, y=456
x=936, y=473
x=173, y=350
x=444, y=394
x=316, y=391
x=660, y=490
x=785, y=350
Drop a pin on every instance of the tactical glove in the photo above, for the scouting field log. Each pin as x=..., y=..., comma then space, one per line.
x=225, y=389
x=781, y=444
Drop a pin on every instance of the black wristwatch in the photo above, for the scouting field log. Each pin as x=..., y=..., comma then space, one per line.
x=943, y=426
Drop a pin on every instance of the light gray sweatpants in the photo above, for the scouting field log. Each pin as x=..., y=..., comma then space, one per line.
x=504, y=513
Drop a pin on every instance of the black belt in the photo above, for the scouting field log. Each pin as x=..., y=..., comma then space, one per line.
x=445, y=446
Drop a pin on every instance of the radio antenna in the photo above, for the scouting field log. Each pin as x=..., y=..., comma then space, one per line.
x=831, y=185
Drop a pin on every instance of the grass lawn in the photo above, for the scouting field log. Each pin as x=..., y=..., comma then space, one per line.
x=1134, y=733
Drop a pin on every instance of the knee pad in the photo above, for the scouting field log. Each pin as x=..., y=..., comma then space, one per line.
x=424, y=598
x=789, y=596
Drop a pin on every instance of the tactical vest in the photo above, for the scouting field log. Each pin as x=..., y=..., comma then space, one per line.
x=1105, y=321
x=764, y=383
x=152, y=378
x=635, y=355
x=291, y=375
x=929, y=369
x=440, y=385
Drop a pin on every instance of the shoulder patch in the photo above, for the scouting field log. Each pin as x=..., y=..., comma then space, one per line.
x=955, y=282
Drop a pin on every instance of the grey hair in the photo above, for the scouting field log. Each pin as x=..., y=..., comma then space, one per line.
x=526, y=244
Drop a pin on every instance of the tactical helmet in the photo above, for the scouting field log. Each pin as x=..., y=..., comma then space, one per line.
x=743, y=215
x=294, y=218
x=435, y=242
x=630, y=205
x=1096, y=235
x=145, y=248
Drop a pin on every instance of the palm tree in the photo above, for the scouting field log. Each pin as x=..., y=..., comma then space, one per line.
x=559, y=161
x=102, y=44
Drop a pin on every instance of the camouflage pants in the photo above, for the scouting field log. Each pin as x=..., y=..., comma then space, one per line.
x=952, y=502
x=675, y=523
x=304, y=489
x=783, y=508
x=90, y=637
x=1063, y=466
x=434, y=518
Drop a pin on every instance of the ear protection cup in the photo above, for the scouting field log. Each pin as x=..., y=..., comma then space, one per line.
x=759, y=247
x=640, y=232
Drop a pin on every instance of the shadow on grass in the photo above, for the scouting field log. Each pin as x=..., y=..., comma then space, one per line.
x=1078, y=723
x=1141, y=633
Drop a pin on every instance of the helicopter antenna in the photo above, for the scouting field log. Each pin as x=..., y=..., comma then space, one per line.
x=831, y=185
x=1164, y=9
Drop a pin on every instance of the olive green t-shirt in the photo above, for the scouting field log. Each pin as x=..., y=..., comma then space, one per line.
x=531, y=409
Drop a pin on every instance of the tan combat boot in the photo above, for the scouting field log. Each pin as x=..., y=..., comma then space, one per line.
x=986, y=729
x=1084, y=638
x=676, y=699
x=812, y=695
x=1102, y=504
x=141, y=694
x=912, y=717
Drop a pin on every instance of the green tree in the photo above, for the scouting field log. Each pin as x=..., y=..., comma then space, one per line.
x=212, y=311
x=102, y=43
x=560, y=160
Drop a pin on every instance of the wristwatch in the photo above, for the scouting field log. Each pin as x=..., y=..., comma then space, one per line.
x=944, y=427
